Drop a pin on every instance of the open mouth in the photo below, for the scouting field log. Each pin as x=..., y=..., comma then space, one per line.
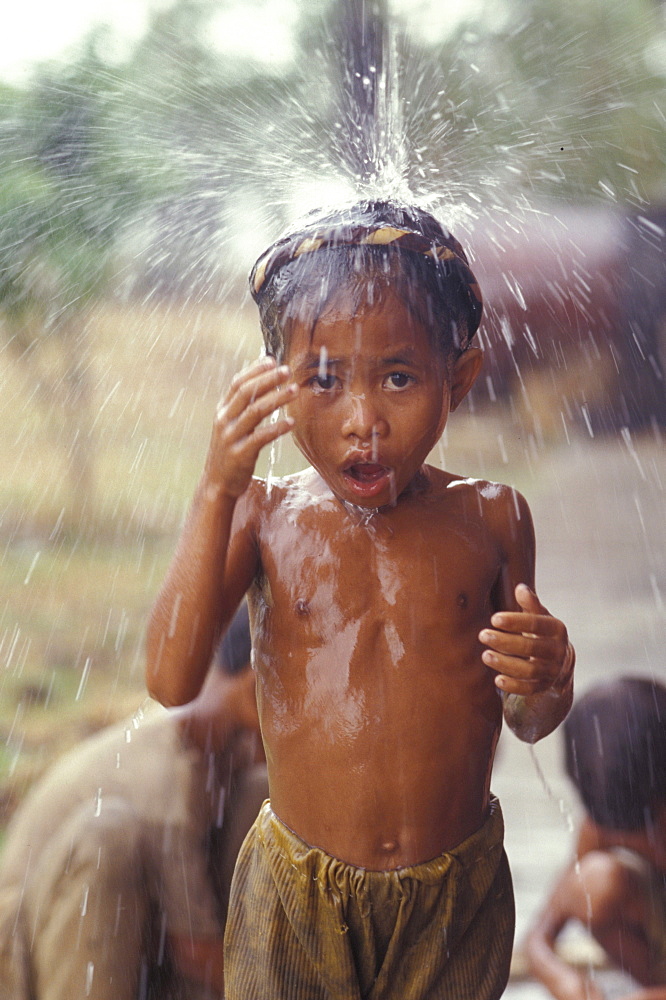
x=367, y=478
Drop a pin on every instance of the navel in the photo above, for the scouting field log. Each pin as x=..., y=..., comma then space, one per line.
x=390, y=846
x=462, y=600
x=302, y=606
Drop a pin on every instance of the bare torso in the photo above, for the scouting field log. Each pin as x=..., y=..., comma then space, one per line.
x=378, y=716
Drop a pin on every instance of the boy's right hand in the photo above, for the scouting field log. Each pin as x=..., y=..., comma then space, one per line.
x=238, y=435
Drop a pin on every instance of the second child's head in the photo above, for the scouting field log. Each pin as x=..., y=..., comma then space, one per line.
x=615, y=752
x=374, y=310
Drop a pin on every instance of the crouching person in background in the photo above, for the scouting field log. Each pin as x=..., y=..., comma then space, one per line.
x=615, y=752
x=115, y=872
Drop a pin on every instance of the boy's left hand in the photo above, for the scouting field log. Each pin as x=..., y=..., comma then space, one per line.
x=529, y=649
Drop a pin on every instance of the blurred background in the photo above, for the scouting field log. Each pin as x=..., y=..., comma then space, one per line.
x=150, y=151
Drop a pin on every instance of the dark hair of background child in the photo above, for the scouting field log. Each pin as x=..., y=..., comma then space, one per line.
x=615, y=752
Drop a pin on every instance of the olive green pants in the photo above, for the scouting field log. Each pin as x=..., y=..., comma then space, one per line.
x=306, y=926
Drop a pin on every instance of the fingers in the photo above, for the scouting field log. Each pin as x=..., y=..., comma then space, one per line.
x=262, y=407
x=254, y=395
x=239, y=433
x=534, y=619
x=528, y=648
x=519, y=645
x=251, y=386
x=530, y=675
x=247, y=448
x=255, y=367
x=528, y=624
x=528, y=600
x=517, y=675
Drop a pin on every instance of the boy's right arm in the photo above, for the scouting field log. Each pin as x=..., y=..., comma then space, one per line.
x=213, y=566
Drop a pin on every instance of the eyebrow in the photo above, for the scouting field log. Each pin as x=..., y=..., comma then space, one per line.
x=399, y=359
x=314, y=361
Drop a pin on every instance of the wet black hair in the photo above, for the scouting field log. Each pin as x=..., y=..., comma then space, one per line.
x=291, y=283
x=615, y=752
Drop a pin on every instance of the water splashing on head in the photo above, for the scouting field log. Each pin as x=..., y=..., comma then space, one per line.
x=370, y=145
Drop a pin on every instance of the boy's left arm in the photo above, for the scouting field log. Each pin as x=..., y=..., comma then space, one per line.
x=526, y=645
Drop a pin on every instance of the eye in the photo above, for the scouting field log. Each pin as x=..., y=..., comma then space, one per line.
x=398, y=380
x=323, y=383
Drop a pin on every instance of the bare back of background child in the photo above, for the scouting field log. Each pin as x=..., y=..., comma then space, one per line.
x=615, y=886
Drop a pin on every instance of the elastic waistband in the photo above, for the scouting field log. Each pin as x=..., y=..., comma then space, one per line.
x=485, y=841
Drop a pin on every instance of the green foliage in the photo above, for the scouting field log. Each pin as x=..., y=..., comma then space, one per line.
x=75, y=172
x=582, y=73
x=561, y=100
x=48, y=259
x=63, y=195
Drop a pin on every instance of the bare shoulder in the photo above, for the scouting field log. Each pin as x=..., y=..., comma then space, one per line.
x=261, y=497
x=504, y=502
x=508, y=514
x=495, y=498
x=284, y=497
x=248, y=511
x=503, y=510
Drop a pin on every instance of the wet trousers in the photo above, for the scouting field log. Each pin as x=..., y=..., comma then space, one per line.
x=305, y=926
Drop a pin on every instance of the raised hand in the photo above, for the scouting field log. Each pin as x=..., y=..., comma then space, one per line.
x=238, y=432
x=529, y=649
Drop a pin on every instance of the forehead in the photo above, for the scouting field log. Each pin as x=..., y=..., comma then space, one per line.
x=352, y=327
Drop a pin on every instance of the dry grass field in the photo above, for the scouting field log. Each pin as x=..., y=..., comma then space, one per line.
x=78, y=569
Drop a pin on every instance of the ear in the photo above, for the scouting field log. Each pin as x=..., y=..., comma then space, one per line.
x=465, y=371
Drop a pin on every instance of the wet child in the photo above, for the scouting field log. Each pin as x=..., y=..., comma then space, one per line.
x=615, y=754
x=394, y=621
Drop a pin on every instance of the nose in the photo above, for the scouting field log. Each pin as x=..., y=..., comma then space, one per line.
x=363, y=420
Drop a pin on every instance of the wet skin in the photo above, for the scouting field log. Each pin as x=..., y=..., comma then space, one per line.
x=602, y=892
x=378, y=715
x=373, y=579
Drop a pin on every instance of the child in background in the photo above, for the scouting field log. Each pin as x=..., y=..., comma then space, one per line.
x=115, y=871
x=615, y=753
x=393, y=618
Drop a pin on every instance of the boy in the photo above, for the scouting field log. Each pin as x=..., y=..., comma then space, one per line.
x=615, y=753
x=377, y=869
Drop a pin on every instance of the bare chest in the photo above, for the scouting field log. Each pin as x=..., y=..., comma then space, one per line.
x=420, y=576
